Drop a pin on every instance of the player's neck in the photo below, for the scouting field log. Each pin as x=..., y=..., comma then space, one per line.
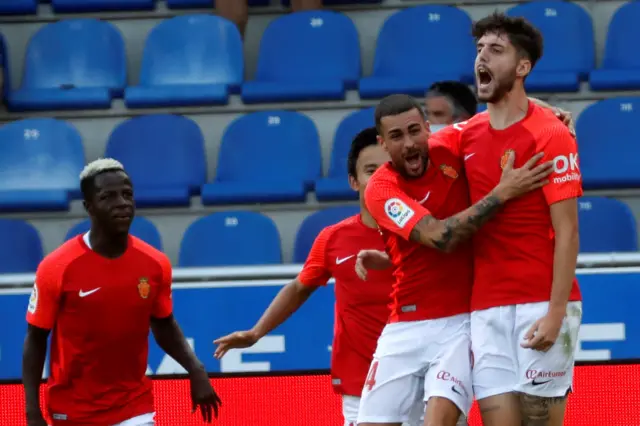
x=106, y=244
x=366, y=217
x=509, y=110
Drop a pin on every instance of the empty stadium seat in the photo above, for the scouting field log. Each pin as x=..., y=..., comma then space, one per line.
x=72, y=64
x=141, y=227
x=336, y=185
x=40, y=164
x=606, y=225
x=569, y=51
x=313, y=224
x=18, y=7
x=75, y=6
x=189, y=60
x=164, y=156
x=183, y=4
x=608, y=136
x=229, y=239
x=418, y=46
x=20, y=247
x=305, y=56
x=620, y=68
x=269, y=156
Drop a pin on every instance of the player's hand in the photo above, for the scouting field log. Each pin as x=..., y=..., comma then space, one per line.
x=203, y=396
x=543, y=333
x=567, y=119
x=239, y=339
x=516, y=182
x=371, y=259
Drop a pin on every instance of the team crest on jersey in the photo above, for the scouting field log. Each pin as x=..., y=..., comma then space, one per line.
x=144, y=288
x=449, y=171
x=505, y=157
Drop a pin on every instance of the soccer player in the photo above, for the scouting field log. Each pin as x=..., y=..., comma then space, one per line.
x=361, y=308
x=420, y=202
x=100, y=293
x=526, y=308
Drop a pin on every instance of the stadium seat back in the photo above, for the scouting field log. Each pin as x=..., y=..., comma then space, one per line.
x=568, y=32
x=161, y=150
x=310, y=45
x=40, y=153
x=141, y=227
x=348, y=128
x=18, y=7
x=606, y=225
x=414, y=29
x=313, y=224
x=231, y=238
x=621, y=48
x=71, y=53
x=193, y=49
x=608, y=136
x=20, y=247
x=272, y=146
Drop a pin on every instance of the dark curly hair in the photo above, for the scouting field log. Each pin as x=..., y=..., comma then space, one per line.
x=521, y=33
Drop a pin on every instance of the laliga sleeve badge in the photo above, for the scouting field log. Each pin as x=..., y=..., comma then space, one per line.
x=449, y=171
x=144, y=288
x=33, y=299
x=504, y=158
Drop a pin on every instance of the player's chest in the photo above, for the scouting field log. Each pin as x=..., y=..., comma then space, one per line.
x=436, y=189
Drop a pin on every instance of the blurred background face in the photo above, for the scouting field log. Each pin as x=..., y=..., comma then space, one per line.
x=439, y=110
x=449, y=102
x=405, y=137
x=369, y=160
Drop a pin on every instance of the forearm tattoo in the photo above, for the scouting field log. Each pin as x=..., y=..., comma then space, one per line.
x=459, y=227
x=536, y=410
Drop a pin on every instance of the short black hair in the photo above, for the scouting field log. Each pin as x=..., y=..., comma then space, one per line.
x=364, y=139
x=522, y=34
x=394, y=105
x=459, y=94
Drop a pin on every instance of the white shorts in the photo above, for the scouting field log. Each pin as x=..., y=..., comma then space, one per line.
x=501, y=365
x=350, y=405
x=143, y=420
x=415, y=361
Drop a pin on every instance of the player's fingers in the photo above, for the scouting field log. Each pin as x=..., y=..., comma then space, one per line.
x=221, y=351
x=222, y=340
x=533, y=160
x=540, y=183
x=533, y=343
x=531, y=332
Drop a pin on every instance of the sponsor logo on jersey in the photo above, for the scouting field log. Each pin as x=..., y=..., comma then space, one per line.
x=398, y=211
x=33, y=299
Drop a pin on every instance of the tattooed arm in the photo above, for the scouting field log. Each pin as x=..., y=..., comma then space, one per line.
x=446, y=234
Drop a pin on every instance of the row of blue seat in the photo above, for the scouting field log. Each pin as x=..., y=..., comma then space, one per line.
x=22, y=7
x=250, y=238
x=264, y=157
x=312, y=55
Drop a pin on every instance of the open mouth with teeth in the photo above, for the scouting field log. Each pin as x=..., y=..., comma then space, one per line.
x=414, y=162
x=484, y=77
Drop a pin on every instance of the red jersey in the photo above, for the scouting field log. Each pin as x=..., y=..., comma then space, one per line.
x=362, y=307
x=100, y=311
x=514, y=251
x=428, y=283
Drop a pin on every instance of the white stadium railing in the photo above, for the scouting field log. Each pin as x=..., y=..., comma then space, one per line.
x=282, y=273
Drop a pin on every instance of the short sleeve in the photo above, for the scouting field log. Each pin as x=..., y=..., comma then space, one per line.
x=392, y=209
x=44, y=301
x=315, y=272
x=566, y=180
x=163, y=303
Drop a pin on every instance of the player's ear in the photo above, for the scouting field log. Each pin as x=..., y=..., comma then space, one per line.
x=524, y=67
x=381, y=142
x=353, y=183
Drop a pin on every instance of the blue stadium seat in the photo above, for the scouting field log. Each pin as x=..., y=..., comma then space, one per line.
x=608, y=136
x=569, y=51
x=304, y=56
x=72, y=64
x=606, y=225
x=336, y=185
x=40, y=164
x=269, y=156
x=620, y=68
x=231, y=238
x=79, y=6
x=441, y=35
x=164, y=156
x=189, y=60
x=20, y=247
x=141, y=227
x=184, y=4
x=18, y=7
x=313, y=224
